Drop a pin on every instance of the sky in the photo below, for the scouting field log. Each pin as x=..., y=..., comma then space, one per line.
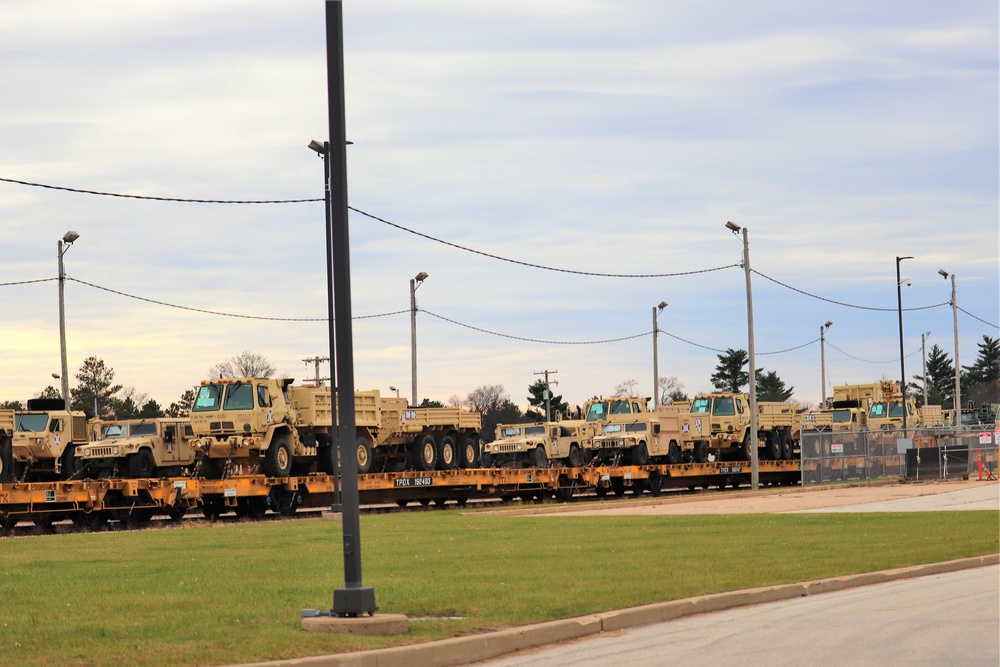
x=516, y=148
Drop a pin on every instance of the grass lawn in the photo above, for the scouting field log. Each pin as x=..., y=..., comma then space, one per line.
x=207, y=594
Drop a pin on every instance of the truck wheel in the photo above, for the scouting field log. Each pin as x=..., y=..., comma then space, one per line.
x=701, y=452
x=786, y=446
x=141, y=464
x=211, y=468
x=278, y=459
x=575, y=458
x=447, y=453
x=6, y=462
x=537, y=457
x=69, y=462
x=640, y=455
x=425, y=453
x=486, y=460
x=772, y=446
x=745, y=452
x=364, y=456
x=470, y=452
x=674, y=452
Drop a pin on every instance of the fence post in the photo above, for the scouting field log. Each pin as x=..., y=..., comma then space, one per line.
x=979, y=453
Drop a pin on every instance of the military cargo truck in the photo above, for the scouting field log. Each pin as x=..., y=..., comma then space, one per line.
x=886, y=411
x=246, y=425
x=6, y=435
x=140, y=448
x=44, y=441
x=719, y=423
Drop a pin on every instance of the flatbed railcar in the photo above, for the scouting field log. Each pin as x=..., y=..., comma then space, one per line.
x=92, y=503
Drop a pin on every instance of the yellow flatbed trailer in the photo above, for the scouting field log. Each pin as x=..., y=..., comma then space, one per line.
x=93, y=502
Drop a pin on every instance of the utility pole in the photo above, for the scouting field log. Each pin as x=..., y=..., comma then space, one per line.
x=548, y=393
x=316, y=361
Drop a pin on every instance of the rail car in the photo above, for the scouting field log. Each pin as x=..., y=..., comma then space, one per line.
x=93, y=503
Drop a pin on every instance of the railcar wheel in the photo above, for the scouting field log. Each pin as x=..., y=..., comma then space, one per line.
x=402, y=503
x=537, y=458
x=45, y=521
x=365, y=456
x=425, y=454
x=655, y=483
x=278, y=459
x=447, y=453
x=141, y=464
x=618, y=486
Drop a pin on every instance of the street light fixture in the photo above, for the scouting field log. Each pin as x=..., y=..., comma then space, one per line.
x=822, y=358
x=415, y=282
x=958, y=369
x=902, y=363
x=395, y=390
x=754, y=458
x=67, y=239
x=656, y=369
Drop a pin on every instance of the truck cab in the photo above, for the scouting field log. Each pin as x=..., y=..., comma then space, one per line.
x=44, y=442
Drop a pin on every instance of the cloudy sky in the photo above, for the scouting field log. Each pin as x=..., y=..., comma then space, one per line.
x=589, y=137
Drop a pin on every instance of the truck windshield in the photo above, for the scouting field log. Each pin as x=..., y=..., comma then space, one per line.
x=841, y=416
x=209, y=398
x=895, y=409
x=510, y=432
x=701, y=405
x=142, y=429
x=534, y=430
x=724, y=407
x=612, y=428
x=877, y=411
x=620, y=408
x=597, y=412
x=32, y=422
x=112, y=431
x=239, y=397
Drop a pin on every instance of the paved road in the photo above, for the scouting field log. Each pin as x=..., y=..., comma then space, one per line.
x=985, y=497
x=948, y=619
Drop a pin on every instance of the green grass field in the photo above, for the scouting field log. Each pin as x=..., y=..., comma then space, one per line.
x=219, y=594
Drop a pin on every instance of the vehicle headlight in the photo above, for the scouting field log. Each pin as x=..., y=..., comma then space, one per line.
x=115, y=451
x=520, y=446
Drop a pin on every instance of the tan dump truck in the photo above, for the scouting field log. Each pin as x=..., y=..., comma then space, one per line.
x=44, y=441
x=536, y=445
x=886, y=411
x=719, y=423
x=250, y=425
x=140, y=448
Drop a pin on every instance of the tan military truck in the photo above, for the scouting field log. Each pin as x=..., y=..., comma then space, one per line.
x=719, y=423
x=250, y=425
x=6, y=455
x=886, y=412
x=140, y=448
x=44, y=441
x=538, y=445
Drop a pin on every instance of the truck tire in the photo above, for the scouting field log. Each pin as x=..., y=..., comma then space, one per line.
x=6, y=462
x=772, y=446
x=211, y=468
x=575, y=458
x=674, y=453
x=745, y=452
x=141, y=464
x=447, y=453
x=425, y=453
x=787, y=450
x=640, y=455
x=469, y=452
x=701, y=452
x=537, y=457
x=365, y=456
x=70, y=464
x=278, y=459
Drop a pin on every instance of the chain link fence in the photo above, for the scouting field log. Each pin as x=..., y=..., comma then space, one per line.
x=925, y=454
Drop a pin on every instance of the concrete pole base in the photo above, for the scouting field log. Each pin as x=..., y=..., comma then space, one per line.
x=379, y=624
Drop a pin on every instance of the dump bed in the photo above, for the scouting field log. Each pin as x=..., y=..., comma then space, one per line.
x=6, y=422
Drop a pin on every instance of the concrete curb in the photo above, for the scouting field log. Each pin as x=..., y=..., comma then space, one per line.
x=473, y=648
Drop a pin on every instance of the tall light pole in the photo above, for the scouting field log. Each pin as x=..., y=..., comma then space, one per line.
x=415, y=282
x=754, y=458
x=822, y=358
x=656, y=366
x=923, y=351
x=67, y=239
x=958, y=367
x=902, y=364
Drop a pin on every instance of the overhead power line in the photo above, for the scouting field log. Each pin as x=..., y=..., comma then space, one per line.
x=841, y=303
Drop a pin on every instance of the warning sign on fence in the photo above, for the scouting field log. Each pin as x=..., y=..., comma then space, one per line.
x=837, y=448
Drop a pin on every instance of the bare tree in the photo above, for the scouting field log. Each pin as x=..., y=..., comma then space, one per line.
x=671, y=389
x=456, y=401
x=627, y=388
x=494, y=407
x=246, y=364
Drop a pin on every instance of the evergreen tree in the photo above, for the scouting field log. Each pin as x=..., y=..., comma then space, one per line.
x=96, y=390
x=182, y=406
x=536, y=399
x=729, y=374
x=770, y=387
x=981, y=380
x=940, y=380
